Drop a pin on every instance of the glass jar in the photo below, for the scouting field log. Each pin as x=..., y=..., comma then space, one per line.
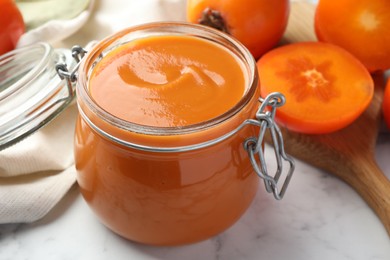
x=170, y=185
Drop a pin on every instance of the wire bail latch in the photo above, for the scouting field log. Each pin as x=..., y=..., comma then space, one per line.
x=265, y=119
x=71, y=76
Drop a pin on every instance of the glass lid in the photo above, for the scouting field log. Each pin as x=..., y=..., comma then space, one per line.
x=31, y=92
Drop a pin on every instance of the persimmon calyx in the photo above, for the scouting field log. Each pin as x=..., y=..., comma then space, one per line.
x=213, y=18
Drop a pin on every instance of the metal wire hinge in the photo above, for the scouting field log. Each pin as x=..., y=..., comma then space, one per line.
x=265, y=120
x=71, y=76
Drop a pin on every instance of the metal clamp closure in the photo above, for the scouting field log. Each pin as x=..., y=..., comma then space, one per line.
x=71, y=76
x=265, y=120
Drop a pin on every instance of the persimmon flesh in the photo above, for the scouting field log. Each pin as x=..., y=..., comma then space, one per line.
x=258, y=24
x=361, y=27
x=326, y=88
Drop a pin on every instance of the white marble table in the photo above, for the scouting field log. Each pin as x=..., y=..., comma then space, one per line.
x=320, y=218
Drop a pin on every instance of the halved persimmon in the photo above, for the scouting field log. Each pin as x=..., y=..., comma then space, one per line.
x=326, y=88
x=258, y=24
x=386, y=104
x=361, y=27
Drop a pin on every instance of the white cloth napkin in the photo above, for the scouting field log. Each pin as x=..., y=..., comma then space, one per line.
x=37, y=172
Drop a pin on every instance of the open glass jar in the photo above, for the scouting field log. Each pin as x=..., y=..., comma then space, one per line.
x=171, y=185
x=166, y=185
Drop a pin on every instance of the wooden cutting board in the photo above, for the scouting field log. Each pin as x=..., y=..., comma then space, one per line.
x=349, y=153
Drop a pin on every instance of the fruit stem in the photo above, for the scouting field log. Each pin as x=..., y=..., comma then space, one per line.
x=213, y=19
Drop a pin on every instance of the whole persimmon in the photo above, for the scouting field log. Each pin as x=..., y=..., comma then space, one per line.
x=11, y=25
x=258, y=24
x=361, y=27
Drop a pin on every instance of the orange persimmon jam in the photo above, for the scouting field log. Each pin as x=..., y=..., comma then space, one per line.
x=159, y=141
x=168, y=81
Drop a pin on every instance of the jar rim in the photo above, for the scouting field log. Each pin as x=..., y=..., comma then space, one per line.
x=158, y=28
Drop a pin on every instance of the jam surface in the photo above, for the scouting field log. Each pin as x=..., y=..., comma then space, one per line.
x=168, y=81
